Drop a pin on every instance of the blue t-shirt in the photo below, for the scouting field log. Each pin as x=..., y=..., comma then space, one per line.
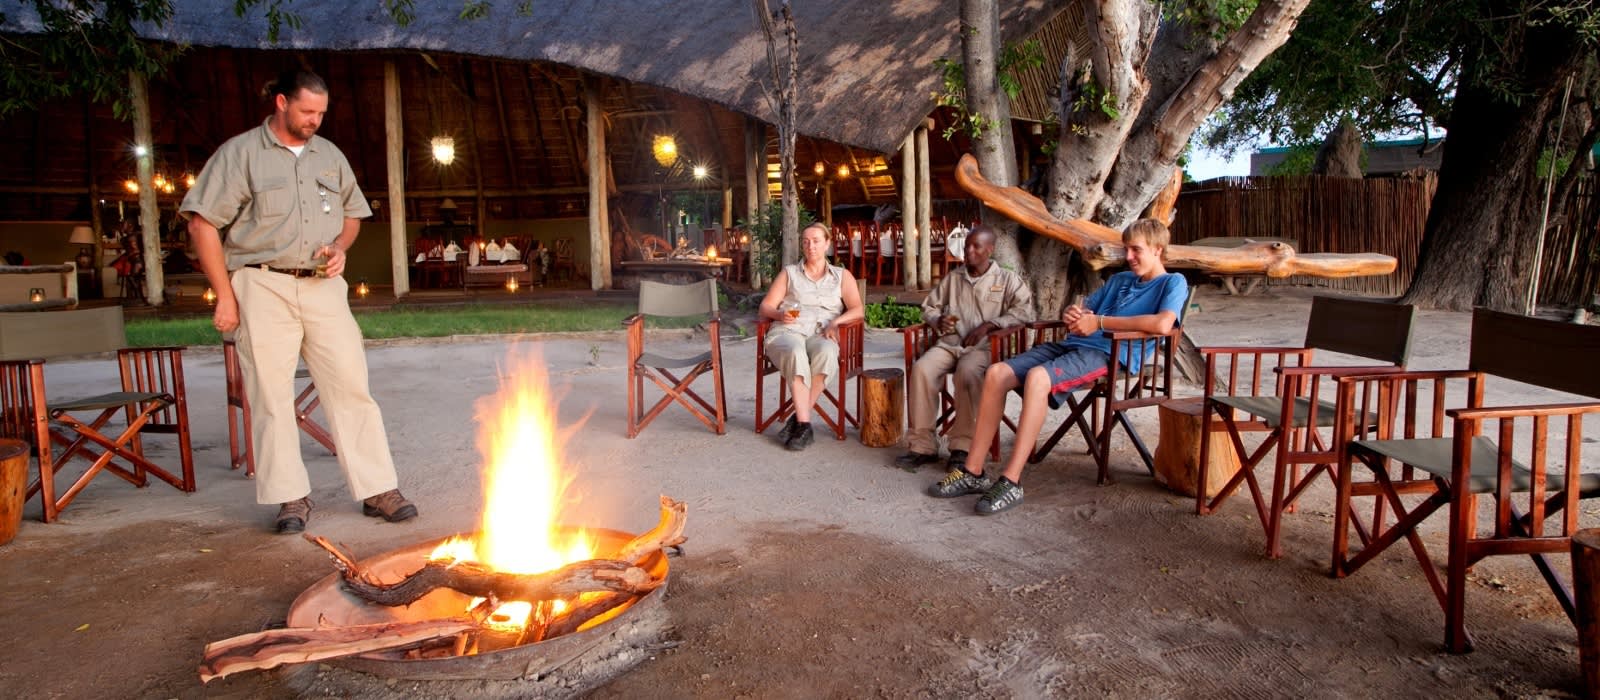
x=1125, y=295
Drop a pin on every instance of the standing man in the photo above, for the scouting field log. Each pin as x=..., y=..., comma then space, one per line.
x=980, y=298
x=291, y=207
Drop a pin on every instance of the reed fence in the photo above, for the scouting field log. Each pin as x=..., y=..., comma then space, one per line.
x=1375, y=215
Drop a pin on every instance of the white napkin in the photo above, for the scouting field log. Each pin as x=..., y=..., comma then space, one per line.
x=421, y=257
x=451, y=251
x=472, y=255
x=492, y=251
x=509, y=253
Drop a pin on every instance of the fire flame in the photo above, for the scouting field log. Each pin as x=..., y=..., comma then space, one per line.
x=523, y=488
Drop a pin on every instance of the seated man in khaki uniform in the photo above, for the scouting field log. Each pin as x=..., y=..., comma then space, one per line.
x=977, y=299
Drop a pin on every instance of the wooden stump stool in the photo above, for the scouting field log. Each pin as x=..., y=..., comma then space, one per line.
x=13, y=484
x=883, y=402
x=1178, y=452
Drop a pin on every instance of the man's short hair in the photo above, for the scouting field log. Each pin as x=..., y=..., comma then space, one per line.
x=290, y=82
x=1152, y=231
x=982, y=229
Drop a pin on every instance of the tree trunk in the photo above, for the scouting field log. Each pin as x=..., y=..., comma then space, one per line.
x=781, y=94
x=994, y=146
x=1127, y=114
x=1484, y=222
x=1340, y=154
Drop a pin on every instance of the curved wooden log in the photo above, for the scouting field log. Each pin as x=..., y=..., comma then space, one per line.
x=668, y=532
x=293, y=645
x=1101, y=246
x=1165, y=206
x=474, y=579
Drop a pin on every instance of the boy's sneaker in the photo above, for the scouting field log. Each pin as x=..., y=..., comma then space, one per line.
x=800, y=438
x=959, y=483
x=1003, y=495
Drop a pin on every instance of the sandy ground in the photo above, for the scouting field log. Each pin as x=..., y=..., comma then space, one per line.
x=821, y=574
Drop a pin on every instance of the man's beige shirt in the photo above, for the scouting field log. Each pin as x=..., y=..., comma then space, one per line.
x=275, y=207
x=998, y=295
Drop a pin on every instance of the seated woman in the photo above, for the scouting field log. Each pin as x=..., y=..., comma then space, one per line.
x=804, y=342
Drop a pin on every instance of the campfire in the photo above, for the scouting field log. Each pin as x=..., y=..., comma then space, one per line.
x=522, y=579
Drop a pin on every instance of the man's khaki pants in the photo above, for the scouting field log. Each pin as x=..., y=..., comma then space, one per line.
x=283, y=318
x=927, y=378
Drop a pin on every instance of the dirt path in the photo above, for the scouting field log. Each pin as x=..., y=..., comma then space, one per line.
x=825, y=574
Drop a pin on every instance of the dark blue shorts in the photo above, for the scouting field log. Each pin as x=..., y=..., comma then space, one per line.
x=1070, y=369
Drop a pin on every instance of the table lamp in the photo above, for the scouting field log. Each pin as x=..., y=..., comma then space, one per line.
x=83, y=236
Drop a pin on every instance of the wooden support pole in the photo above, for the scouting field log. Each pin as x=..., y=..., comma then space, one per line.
x=908, y=194
x=599, y=211
x=727, y=207
x=149, y=208
x=924, y=212
x=755, y=185
x=395, y=164
x=827, y=205
x=1586, y=581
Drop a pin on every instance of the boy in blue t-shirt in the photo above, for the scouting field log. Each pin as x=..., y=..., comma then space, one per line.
x=1145, y=298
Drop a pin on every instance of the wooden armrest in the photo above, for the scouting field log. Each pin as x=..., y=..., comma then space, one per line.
x=1548, y=409
x=910, y=330
x=156, y=348
x=1139, y=335
x=636, y=318
x=1340, y=370
x=1039, y=325
x=1249, y=349
x=1398, y=374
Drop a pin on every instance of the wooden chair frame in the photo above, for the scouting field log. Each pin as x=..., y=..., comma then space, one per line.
x=1003, y=343
x=1295, y=412
x=834, y=406
x=29, y=416
x=1413, y=434
x=1109, y=399
x=241, y=442
x=656, y=299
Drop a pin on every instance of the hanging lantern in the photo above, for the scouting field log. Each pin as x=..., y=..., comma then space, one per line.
x=665, y=150
x=444, y=149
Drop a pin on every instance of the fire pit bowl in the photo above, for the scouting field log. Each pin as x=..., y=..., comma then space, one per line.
x=327, y=603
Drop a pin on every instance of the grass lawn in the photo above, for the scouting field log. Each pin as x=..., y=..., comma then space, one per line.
x=425, y=323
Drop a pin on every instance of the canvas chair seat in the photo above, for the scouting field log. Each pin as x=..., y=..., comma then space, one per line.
x=112, y=400
x=1433, y=455
x=654, y=360
x=675, y=301
x=1268, y=409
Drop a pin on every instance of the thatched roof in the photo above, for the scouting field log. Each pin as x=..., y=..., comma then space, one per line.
x=867, y=68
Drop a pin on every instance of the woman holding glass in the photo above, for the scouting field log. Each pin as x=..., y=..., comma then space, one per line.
x=807, y=302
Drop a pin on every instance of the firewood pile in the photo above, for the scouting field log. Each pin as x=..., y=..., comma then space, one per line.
x=588, y=591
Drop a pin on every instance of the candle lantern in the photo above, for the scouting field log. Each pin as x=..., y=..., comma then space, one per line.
x=36, y=294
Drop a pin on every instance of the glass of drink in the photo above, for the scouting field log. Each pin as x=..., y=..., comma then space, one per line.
x=791, y=310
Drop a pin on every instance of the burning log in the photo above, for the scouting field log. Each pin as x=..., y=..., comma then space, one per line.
x=477, y=580
x=617, y=575
x=273, y=648
x=668, y=532
x=1101, y=246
